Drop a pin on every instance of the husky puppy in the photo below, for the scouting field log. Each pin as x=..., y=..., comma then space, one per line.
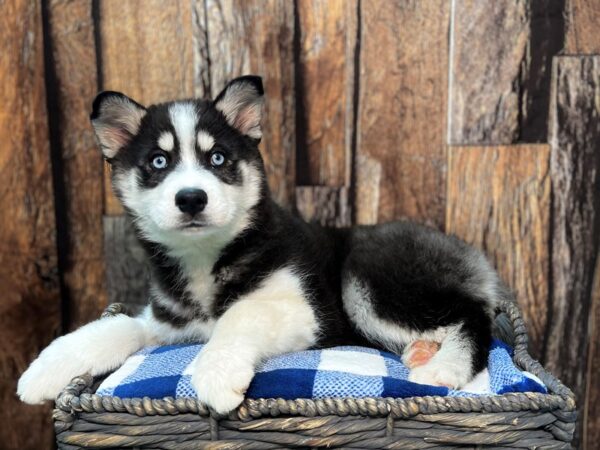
x=234, y=270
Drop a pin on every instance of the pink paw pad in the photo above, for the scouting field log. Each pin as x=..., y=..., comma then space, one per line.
x=419, y=353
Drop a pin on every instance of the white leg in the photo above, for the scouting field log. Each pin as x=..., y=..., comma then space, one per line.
x=97, y=347
x=272, y=320
x=451, y=366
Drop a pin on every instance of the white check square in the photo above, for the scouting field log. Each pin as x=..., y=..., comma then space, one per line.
x=353, y=362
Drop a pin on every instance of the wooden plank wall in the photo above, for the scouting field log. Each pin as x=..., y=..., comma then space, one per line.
x=30, y=306
x=79, y=188
x=574, y=136
x=583, y=17
x=400, y=164
x=507, y=188
x=478, y=118
x=326, y=47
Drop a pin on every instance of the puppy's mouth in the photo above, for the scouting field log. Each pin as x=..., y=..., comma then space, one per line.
x=193, y=225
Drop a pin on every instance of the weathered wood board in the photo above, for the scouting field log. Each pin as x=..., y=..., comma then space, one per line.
x=77, y=160
x=326, y=72
x=546, y=40
x=574, y=128
x=488, y=53
x=401, y=150
x=146, y=52
x=583, y=19
x=499, y=201
x=127, y=272
x=255, y=36
x=30, y=314
x=326, y=205
x=590, y=409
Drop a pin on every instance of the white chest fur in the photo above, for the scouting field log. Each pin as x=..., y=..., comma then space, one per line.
x=197, y=265
x=201, y=286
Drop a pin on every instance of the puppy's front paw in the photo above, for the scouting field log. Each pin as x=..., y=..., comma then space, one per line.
x=438, y=373
x=45, y=378
x=221, y=379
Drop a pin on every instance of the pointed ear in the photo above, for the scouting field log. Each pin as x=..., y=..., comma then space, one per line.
x=241, y=102
x=116, y=119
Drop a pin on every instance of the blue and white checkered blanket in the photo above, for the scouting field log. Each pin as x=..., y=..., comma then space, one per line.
x=158, y=372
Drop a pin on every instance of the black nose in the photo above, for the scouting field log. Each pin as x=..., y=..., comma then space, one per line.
x=191, y=201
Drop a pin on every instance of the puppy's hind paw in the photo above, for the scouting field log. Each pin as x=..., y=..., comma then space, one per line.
x=436, y=373
x=418, y=353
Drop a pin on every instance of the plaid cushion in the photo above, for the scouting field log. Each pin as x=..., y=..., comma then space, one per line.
x=158, y=372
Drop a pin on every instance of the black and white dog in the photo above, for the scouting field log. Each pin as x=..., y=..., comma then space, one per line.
x=234, y=270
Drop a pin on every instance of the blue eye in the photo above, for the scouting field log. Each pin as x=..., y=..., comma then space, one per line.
x=159, y=162
x=217, y=159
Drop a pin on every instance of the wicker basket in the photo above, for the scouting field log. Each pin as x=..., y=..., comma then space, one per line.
x=516, y=420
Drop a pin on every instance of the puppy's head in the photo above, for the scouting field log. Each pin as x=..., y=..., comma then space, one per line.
x=185, y=169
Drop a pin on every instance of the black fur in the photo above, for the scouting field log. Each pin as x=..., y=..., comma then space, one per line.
x=420, y=279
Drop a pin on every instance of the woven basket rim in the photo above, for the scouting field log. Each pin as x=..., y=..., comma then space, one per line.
x=77, y=396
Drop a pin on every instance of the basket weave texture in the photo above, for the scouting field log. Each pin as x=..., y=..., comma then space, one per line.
x=516, y=420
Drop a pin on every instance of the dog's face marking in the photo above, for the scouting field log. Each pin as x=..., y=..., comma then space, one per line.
x=205, y=141
x=184, y=119
x=166, y=141
x=187, y=168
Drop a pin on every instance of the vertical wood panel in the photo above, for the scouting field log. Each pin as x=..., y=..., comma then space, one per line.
x=488, y=54
x=591, y=408
x=30, y=303
x=499, y=201
x=147, y=53
x=583, y=19
x=327, y=35
x=575, y=140
x=256, y=36
x=546, y=40
x=325, y=73
x=401, y=151
x=127, y=269
x=78, y=161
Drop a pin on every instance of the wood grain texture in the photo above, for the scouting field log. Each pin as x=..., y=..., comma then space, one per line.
x=256, y=36
x=77, y=159
x=489, y=49
x=499, y=201
x=326, y=205
x=546, y=40
x=591, y=407
x=327, y=35
x=147, y=53
x=575, y=139
x=402, y=111
x=127, y=272
x=583, y=20
x=30, y=302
